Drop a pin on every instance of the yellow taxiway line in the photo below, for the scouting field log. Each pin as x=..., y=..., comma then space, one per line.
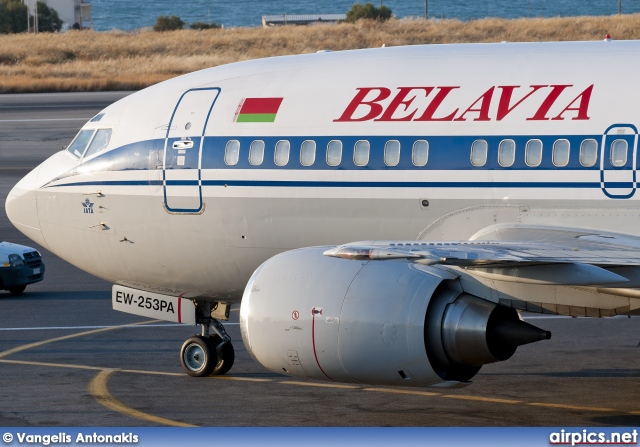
x=21, y=348
x=569, y=407
x=411, y=392
x=320, y=385
x=98, y=386
x=239, y=379
x=99, y=390
x=482, y=399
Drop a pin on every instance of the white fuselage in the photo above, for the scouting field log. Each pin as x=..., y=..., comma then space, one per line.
x=171, y=204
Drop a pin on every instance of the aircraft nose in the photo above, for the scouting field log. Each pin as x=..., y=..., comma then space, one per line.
x=22, y=209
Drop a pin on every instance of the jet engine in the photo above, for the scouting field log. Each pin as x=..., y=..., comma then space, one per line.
x=389, y=322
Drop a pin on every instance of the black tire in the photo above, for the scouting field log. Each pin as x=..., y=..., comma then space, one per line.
x=226, y=356
x=197, y=358
x=17, y=290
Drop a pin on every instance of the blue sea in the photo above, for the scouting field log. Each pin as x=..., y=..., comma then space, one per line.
x=128, y=15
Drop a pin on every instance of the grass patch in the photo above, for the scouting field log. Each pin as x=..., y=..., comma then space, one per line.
x=89, y=61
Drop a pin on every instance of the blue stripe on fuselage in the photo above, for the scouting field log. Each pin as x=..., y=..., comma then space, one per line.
x=354, y=184
x=446, y=153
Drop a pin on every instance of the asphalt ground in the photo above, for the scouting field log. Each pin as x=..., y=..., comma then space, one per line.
x=67, y=359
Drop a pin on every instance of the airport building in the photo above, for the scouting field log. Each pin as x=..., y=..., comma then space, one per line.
x=300, y=19
x=75, y=14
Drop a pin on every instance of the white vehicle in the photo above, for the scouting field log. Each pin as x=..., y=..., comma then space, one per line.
x=19, y=267
x=482, y=179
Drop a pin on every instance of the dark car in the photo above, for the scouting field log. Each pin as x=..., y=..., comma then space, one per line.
x=19, y=267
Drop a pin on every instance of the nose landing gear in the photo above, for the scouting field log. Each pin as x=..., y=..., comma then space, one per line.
x=198, y=357
x=208, y=354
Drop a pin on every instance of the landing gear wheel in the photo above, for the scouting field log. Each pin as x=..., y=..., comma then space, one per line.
x=226, y=356
x=17, y=290
x=198, y=356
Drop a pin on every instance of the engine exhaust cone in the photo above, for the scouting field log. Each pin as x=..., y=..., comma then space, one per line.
x=505, y=335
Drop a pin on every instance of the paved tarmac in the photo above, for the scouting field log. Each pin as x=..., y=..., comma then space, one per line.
x=67, y=359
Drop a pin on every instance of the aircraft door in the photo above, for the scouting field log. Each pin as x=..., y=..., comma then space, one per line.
x=618, y=161
x=182, y=180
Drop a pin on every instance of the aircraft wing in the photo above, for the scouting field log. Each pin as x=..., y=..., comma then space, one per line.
x=535, y=255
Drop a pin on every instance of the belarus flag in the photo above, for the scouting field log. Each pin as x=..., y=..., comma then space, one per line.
x=258, y=110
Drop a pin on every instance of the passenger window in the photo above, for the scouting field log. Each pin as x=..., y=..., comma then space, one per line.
x=533, y=153
x=308, y=153
x=256, y=152
x=281, y=156
x=99, y=143
x=506, y=153
x=619, y=149
x=420, y=153
x=561, y=153
x=479, y=153
x=392, y=153
x=79, y=144
x=334, y=152
x=361, y=153
x=588, y=153
x=232, y=152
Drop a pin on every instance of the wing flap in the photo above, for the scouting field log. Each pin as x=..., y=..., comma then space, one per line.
x=553, y=274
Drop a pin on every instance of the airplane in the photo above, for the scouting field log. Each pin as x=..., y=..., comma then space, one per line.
x=381, y=216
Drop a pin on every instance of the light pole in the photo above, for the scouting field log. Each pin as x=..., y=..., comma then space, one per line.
x=35, y=17
x=27, y=3
x=619, y=7
x=426, y=9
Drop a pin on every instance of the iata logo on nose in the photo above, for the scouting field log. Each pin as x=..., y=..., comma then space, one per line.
x=87, y=206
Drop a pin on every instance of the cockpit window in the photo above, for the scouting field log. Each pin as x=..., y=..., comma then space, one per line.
x=79, y=144
x=99, y=143
x=97, y=118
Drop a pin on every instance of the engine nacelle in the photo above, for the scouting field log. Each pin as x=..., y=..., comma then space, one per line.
x=377, y=322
